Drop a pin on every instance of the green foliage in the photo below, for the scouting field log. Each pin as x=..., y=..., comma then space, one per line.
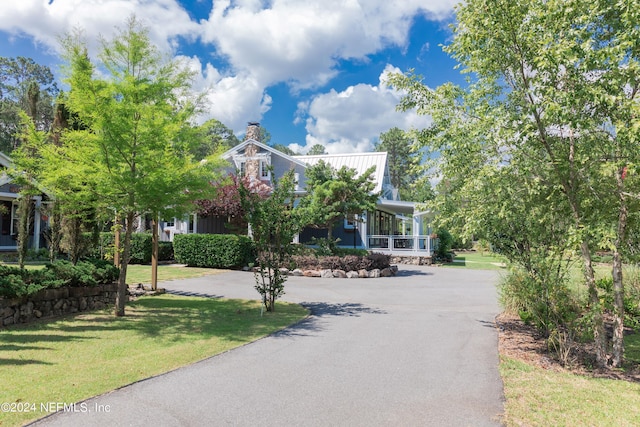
x=141, y=247
x=274, y=222
x=403, y=161
x=631, y=300
x=316, y=150
x=213, y=250
x=16, y=282
x=541, y=297
x=334, y=194
x=344, y=262
x=445, y=244
x=28, y=87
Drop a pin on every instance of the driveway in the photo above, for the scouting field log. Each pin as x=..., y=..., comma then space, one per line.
x=418, y=349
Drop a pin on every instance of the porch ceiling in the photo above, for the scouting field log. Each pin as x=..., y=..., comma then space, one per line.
x=397, y=206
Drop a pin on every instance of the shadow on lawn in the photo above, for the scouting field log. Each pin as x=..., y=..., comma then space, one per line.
x=319, y=310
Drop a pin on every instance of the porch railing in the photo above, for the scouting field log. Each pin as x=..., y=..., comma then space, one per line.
x=415, y=244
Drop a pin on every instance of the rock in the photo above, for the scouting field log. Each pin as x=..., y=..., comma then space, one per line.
x=386, y=272
x=8, y=321
x=363, y=274
x=311, y=273
x=37, y=313
x=340, y=274
x=83, y=303
x=284, y=271
x=374, y=273
x=352, y=275
x=326, y=274
x=246, y=268
x=394, y=269
x=297, y=272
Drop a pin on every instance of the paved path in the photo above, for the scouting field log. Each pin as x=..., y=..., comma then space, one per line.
x=419, y=349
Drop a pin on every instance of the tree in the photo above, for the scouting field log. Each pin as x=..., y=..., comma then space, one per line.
x=285, y=149
x=24, y=86
x=403, y=159
x=316, y=149
x=135, y=153
x=216, y=137
x=553, y=85
x=274, y=222
x=334, y=194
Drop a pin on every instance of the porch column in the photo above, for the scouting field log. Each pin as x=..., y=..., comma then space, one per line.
x=36, y=222
x=363, y=231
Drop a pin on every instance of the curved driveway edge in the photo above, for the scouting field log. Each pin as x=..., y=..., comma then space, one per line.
x=418, y=349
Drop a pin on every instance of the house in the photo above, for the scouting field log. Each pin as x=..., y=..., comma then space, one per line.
x=9, y=212
x=395, y=226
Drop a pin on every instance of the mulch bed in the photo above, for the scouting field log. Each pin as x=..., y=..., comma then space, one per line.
x=522, y=342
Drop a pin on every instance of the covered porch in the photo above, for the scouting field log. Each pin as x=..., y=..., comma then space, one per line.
x=396, y=228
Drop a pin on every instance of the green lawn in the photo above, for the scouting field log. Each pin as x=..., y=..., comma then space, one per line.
x=477, y=261
x=142, y=273
x=539, y=397
x=82, y=356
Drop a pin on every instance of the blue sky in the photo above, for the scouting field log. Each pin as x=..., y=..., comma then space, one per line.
x=310, y=71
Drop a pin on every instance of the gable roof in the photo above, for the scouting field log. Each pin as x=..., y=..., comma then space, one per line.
x=227, y=155
x=358, y=161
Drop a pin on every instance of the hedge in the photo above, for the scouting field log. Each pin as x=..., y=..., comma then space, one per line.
x=16, y=282
x=141, y=246
x=213, y=250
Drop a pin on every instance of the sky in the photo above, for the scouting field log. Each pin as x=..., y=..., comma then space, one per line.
x=310, y=71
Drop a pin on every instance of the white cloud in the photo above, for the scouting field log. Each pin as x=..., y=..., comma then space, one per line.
x=45, y=21
x=351, y=120
x=300, y=42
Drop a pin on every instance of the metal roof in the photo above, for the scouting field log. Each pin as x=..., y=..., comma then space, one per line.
x=358, y=161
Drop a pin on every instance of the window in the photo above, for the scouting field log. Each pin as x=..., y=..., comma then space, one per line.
x=15, y=218
x=296, y=179
x=170, y=222
x=265, y=173
x=350, y=222
x=243, y=169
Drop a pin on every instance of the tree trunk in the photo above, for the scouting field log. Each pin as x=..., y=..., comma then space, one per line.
x=154, y=253
x=121, y=297
x=24, y=222
x=618, y=286
x=116, y=241
x=599, y=335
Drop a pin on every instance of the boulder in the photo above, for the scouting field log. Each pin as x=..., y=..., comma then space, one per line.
x=352, y=274
x=386, y=272
x=326, y=274
x=363, y=274
x=374, y=273
x=340, y=274
x=311, y=273
x=297, y=272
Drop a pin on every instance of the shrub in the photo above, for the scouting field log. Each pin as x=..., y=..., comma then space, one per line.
x=445, y=242
x=213, y=250
x=141, y=246
x=346, y=263
x=16, y=282
x=165, y=251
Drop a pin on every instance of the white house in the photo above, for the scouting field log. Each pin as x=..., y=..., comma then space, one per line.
x=395, y=226
x=9, y=212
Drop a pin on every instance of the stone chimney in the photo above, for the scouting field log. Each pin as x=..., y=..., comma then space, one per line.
x=252, y=165
x=253, y=131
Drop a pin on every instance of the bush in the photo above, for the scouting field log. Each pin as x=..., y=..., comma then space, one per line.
x=213, y=250
x=346, y=263
x=141, y=247
x=445, y=243
x=16, y=282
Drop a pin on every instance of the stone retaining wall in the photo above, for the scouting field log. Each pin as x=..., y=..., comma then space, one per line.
x=56, y=302
x=411, y=260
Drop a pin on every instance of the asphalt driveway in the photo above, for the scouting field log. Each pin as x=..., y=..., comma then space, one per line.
x=419, y=349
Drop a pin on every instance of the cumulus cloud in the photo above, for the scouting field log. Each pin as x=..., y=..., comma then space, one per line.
x=301, y=42
x=257, y=44
x=351, y=120
x=45, y=21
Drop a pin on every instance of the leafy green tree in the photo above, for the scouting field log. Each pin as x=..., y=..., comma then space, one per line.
x=402, y=160
x=316, y=149
x=334, y=194
x=274, y=222
x=216, y=137
x=24, y=86
x=135, y=154
x=553, y=88
x=285, y=149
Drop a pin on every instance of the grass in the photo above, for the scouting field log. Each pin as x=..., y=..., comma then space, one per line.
x=539, y=397
x=477, y=261
x=142, y=273
x=78, y=357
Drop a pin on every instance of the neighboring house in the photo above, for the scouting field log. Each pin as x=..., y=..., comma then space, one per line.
x=9, y=215
x=395, y=226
